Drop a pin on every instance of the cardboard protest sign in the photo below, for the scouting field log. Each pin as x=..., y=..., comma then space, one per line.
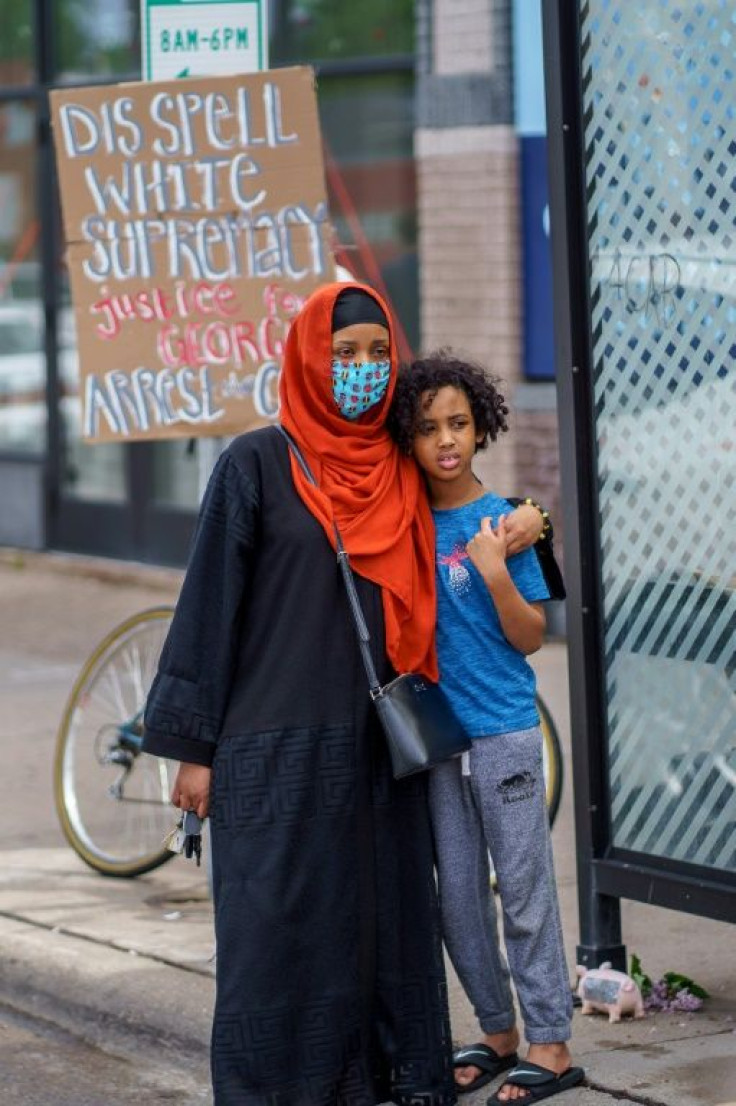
x=196, y=225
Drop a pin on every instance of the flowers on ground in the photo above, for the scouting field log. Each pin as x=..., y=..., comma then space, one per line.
x=672, y=993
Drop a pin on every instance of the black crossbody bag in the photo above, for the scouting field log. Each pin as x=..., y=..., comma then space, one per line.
x=417, y=719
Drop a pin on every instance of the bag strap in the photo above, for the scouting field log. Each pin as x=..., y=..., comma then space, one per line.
x=343, y=560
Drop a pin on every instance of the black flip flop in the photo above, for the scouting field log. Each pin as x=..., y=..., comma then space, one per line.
x=483, y=1057
x=538, y=1082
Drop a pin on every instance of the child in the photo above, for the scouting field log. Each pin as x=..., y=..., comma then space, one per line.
x=489, y=618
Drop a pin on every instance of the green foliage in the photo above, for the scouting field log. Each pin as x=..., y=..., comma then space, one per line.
x=311, y=30
x=676, y=982
x=639, y=977
x=77, y=43
x=15, y=30
x=81, y=49
x=672, y=982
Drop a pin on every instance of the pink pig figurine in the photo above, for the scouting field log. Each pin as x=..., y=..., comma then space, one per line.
x=608, y=991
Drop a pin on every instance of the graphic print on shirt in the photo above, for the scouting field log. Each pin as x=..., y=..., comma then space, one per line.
x=459, y=577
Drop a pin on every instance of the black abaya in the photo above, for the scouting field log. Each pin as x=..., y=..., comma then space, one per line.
x=330, y=980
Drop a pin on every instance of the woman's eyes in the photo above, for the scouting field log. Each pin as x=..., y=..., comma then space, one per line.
x=348, y=354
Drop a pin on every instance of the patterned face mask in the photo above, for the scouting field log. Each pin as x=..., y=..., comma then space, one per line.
x=359, y=385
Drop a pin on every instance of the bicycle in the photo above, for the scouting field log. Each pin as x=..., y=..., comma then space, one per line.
x=113, y=800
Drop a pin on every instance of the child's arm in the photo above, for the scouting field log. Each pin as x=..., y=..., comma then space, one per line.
x=523, y=623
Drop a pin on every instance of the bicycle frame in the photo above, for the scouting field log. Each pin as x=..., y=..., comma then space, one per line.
x=124, y=750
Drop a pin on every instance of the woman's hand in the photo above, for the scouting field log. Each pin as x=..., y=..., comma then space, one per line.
x=192, y=788
x=523, y=528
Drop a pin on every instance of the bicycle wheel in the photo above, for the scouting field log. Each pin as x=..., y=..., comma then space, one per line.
x=552, y=756
x=111, y=798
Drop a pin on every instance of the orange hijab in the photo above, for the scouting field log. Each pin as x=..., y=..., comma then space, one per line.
x=374, y=493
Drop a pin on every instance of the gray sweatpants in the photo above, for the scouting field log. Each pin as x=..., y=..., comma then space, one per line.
x=500, y=806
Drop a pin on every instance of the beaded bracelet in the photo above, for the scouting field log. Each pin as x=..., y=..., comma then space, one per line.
x=546, y=524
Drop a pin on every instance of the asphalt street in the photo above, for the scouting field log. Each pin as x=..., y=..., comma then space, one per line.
x=45, y=1065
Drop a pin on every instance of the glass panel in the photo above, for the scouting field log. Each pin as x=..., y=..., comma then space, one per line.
x=368, y=130
x=660, y=90
x=311, y=30
x=176, y=473
x=90, y=470
x=16, y=42
x=96, y=38
x=22, y=357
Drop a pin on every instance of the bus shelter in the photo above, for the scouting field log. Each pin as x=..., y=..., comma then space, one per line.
x=641, y=117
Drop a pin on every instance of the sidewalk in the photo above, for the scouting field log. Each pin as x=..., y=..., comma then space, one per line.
x=129, y=963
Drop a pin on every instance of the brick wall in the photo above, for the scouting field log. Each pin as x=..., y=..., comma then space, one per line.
x=467, y=182
x=463, y=38
x=471, y=36
x=469, y=248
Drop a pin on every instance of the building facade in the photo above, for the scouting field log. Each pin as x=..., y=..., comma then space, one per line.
x=430, y=197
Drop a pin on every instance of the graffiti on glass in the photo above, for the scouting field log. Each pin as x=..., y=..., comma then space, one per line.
x=647, y=283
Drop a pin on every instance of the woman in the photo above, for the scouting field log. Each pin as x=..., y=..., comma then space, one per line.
x=330, y=980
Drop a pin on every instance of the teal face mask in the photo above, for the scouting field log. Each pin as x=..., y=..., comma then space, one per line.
x=359, y=385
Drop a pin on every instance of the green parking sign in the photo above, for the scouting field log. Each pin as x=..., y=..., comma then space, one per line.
x=203, y=38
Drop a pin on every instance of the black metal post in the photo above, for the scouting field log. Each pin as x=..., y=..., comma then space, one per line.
x=599, y=914
x=46, y=206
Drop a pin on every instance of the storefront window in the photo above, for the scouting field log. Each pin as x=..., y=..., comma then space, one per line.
x=96, y=38
x=368, y=129
x=177, y=471
x=317, y=30
x=22, y=357
x=367, y=118
x=16, y=42
x=367, y=125
x=96, y=471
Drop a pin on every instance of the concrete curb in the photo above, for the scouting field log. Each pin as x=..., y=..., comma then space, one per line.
x=111, y=997
x=103, y=569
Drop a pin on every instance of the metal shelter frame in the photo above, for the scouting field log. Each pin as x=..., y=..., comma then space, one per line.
x=606, y=874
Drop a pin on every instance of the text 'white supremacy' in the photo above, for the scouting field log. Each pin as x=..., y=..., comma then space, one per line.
x=188, y=211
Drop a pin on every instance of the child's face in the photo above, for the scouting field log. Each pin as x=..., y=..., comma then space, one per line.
x=446, y=438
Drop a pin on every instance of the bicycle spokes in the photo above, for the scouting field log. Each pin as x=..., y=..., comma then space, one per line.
x=113, y=799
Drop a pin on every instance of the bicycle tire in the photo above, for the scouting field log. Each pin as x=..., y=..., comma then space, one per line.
x=121, y=837
x=553, y=763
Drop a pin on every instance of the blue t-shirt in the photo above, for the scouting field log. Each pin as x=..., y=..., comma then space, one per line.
x=489, y=683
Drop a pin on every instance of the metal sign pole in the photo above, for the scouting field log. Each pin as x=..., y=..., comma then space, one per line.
x=203, y=38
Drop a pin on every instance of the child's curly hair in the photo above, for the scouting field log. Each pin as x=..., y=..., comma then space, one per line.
x=440, y=370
